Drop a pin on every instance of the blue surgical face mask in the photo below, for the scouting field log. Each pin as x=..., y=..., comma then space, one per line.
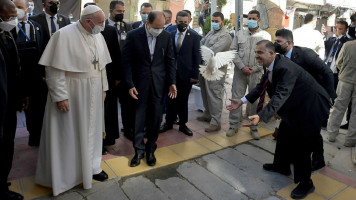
x=252, y=23
x=31, y=8
x=144, y=17
x=215, y=26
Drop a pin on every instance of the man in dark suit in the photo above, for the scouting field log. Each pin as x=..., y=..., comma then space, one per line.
x=45, y=24
x=310, y=62
x=173, y=28
x=116, y=19
x=117, y=10
x=148, y=66
x=299, y=100
x=28, y=36
x=12, y=88
x=187, y=57
x=49, y=20
x=168, y=15
x=332, y=49
x=145, y=9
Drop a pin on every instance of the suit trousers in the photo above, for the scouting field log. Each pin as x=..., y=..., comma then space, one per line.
x=239, y=85
x=179, y=105
x=35, y=111
x=346, y=93
x=111, y=116
x=212, y=93
x=7, y=146
x=148, y=114
x=293, y=148
x=127, y=107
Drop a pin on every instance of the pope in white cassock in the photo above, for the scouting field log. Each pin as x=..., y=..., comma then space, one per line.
x=71, y=141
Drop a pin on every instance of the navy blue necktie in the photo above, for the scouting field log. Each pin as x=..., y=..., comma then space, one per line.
x=53, y=26
x=20, y=35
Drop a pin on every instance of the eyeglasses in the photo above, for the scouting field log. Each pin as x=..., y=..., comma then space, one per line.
x=7, y=18
x=53, y=3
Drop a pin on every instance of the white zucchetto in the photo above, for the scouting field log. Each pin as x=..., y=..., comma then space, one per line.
x=90, y=10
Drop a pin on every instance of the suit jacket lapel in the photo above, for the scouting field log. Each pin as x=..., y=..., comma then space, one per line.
x=44, y=22
x=145, y=43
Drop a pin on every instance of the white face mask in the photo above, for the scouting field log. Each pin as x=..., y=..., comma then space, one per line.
x=97, y=29
x=155, y=32
x=20, y=14
x=8, y=26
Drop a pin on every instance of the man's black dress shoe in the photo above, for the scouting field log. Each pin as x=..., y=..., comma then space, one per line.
x=102, y=176
x=136, y=160
x=165, y=127
x=270, y=167
x=303, y=189
x=151, y=159
x=317, y=164
x=184, y=129
x=345, y=126
x=10, y=195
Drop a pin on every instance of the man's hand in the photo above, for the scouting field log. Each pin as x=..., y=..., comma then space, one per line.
x=192, y=80
x=104, y=95
x=255, y=119
x=25, y=101
x=246, y=70
x=235, y=104
x=117, y=82
x=63, y=105
x=172, y=92
x=133, y=93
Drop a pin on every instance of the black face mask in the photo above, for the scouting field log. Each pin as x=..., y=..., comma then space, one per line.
x=53, y=8
x=182, y=27
x=119, y=17
x=279, y=48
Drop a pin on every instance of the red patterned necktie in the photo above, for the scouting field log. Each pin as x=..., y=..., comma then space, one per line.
x=263, y=93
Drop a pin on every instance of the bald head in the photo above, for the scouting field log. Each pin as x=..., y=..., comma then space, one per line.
x=21, y=4
x=7, y=10
x=156, y=19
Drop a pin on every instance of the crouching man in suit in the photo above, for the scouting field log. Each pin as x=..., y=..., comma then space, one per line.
x=299, y=101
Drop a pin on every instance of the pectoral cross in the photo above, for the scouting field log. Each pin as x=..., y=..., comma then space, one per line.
x=95, y=62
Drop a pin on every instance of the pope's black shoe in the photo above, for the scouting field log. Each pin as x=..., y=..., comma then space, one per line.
x=184, y=129
x=136, y=160
x=271, y=168
x=102, y=176
x=303, y=189
x=165, y=127
x=317, y=164
x=150, y=159
x=10, y=195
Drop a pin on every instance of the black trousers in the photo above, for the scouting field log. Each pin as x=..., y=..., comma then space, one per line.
x=292, y=148
x=7, y=146
x=179, y=105
x=35, y=111
x=111, y=117
x=127, y=109
x=148, y=114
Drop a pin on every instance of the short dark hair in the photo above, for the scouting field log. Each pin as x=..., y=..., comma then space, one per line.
x=153, y=15
x=342, y=22
x=308, y=18
x=218, y=14
x=90, y=3
x=182, y=14
x=285, y=33
x=146, y=4
x=353, y=17
x=255, y=12
x=268, y=44
x=114, y=3
x=167, y=11
x=188, y=11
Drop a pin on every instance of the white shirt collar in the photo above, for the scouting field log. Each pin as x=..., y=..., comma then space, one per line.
x=270, y=67
x=289, y=53
x=112, y=22
x=182, y=32
x=49, y=16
